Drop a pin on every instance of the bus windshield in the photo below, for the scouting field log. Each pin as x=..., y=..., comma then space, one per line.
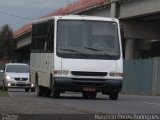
x=88, y=39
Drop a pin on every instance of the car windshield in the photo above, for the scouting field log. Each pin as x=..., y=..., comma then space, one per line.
x=17, y=68
x=95, y=39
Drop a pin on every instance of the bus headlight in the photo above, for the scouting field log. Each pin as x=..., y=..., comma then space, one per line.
x=61, y=72
x=115, y=74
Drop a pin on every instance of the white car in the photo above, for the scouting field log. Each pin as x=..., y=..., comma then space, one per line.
x=16, y=75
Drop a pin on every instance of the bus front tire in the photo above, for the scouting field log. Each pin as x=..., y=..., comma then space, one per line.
x=55, y=94
x=47, y=92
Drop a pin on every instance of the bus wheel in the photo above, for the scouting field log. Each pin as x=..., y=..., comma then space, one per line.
x=54, y=93
x=113, y=96
x=39, y=90
x=47, y=92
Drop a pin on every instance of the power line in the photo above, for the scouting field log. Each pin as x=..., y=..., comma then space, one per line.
x=20, y=17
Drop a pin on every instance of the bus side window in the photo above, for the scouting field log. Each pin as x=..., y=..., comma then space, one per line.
x=50, y=38
x=43, y=37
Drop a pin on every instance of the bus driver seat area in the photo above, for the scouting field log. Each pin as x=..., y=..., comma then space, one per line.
x=102, y=42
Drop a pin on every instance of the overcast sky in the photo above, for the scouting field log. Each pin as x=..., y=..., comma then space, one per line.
x=31, y=9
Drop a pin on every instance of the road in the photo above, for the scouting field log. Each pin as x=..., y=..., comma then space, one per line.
x=71, y=103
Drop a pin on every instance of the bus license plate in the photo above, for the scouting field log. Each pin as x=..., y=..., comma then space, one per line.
x=89, y=89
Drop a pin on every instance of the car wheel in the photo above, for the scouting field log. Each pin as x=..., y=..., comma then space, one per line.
x=1, y=87
x=113, y=96
x=26, y=89
x=55, y=94
x=4, y=87
x=33, y=89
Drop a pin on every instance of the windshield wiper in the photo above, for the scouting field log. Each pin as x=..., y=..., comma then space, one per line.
x=72, y=50
x=94, y=49
x=100, y=51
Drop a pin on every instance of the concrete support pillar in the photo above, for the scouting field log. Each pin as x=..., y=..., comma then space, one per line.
x=113, y=10
x=129, y=51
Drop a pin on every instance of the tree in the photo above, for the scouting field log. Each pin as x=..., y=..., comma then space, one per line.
x=6, y=42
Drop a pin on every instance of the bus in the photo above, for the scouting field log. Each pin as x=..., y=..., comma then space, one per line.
x=78, y=54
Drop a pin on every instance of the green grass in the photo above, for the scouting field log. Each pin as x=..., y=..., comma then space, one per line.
x=3, y=93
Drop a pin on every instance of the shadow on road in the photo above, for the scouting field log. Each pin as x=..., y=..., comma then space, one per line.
x=80, y=98
x=63, y=96
x=76, y=97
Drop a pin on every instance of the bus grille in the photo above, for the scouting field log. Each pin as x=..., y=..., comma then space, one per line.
x=83, y=73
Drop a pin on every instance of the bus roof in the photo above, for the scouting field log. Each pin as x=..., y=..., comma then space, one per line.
x=76, y=17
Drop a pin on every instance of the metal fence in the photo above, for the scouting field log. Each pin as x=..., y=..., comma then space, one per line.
x=142, y=76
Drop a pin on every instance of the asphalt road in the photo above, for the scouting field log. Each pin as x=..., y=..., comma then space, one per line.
x=74, y=103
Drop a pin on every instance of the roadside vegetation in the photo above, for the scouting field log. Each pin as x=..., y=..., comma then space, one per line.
x=6, y=43
x=3, y=93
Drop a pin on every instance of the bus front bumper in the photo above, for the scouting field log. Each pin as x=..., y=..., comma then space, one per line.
x=79, y=85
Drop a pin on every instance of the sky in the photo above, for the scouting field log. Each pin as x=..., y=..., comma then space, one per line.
x=30, y=9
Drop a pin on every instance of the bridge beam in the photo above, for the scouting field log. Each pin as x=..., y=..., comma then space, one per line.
x=141, y=30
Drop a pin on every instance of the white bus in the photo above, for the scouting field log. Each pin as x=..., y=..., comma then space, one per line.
x=77, y=54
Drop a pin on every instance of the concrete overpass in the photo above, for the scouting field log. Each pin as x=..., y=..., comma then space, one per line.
x=140, y=23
